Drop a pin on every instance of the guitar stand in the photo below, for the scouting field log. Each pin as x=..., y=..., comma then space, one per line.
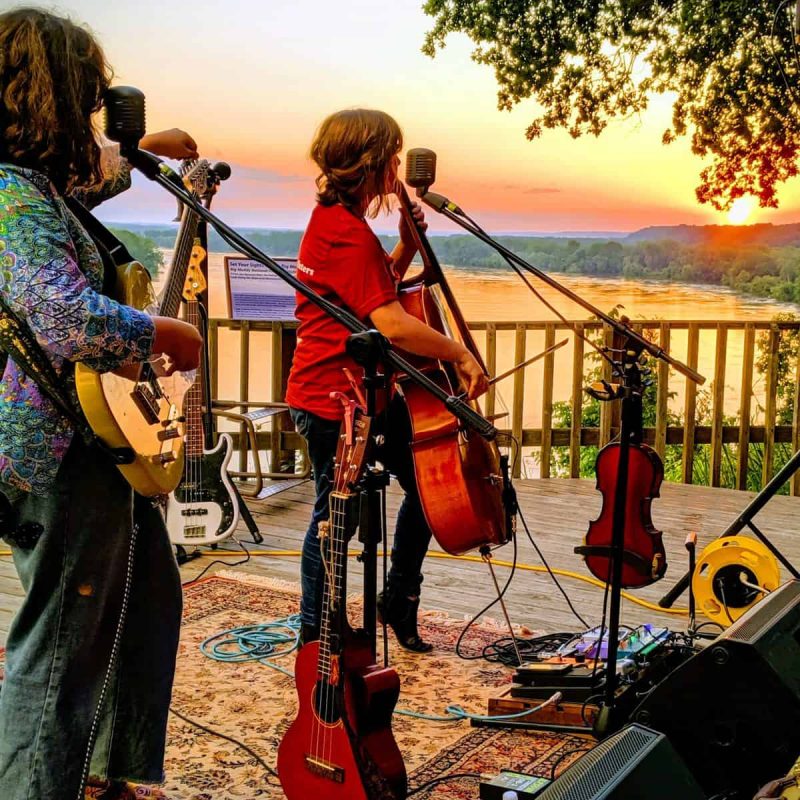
x=245, y=514
x=630, y=422
x=368, y=349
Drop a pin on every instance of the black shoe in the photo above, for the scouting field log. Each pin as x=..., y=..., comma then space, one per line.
x=400, y=614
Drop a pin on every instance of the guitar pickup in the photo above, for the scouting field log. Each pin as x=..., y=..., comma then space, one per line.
x=167, y=434
x=194, y=512
x=147, y=402
x=165, y=458
x=325, y=769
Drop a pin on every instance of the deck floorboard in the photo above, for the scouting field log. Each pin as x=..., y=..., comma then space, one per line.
x=557, y=512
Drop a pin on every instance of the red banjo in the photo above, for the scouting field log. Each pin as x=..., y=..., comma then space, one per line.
x=341, y=746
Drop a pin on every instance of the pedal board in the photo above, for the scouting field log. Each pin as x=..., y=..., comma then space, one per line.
x=574, y=716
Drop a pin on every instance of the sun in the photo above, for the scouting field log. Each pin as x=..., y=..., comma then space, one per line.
x=741, y=209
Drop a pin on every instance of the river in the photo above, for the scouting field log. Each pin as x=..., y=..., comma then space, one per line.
x=485, y=296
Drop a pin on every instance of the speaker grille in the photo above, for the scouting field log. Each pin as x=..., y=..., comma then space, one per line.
x=601, y=768
x=750, y=627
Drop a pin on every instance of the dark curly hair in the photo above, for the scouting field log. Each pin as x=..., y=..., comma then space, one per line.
x=354, y=151
x=53, y=76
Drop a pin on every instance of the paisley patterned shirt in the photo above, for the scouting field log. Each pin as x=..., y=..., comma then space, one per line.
x=51, y=276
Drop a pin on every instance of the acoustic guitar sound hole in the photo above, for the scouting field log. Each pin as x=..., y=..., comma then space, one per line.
x=326, y=702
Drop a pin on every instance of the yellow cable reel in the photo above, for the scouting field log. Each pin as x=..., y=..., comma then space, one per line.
x=728, y=574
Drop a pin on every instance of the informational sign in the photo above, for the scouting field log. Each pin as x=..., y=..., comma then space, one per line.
x=257, y=293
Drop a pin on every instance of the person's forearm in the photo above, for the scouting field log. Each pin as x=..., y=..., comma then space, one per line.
x=402, y=256
x=414, y=336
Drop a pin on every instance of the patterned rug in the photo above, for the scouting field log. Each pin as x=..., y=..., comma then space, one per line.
x=255, y=704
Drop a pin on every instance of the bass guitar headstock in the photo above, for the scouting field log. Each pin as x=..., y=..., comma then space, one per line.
x=195, y=283
x=351, y=454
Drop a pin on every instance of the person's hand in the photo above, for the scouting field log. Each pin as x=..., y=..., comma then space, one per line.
x=172, y=143
x=406, y=234
x=179, y=341
x=473, y=375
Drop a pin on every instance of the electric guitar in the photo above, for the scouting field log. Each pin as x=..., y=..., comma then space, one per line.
x=134, y=407
x=341, y=746
x=203, y=508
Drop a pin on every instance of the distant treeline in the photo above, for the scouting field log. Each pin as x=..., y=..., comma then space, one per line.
x=741, y=261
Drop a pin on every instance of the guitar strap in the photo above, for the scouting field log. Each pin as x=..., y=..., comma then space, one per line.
x=112, y=251
x=17, y=341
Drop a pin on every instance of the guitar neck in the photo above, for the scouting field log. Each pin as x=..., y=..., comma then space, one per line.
x=193, y=403
x=173, y=291
x=333, y=546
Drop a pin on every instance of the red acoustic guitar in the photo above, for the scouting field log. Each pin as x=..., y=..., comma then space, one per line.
x=341, y=746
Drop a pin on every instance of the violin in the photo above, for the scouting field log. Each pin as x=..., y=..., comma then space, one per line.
x=341, y=746
x=644, y=559
x=461, y=477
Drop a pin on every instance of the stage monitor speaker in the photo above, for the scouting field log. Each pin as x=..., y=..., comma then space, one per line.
x=633, y=764
x=732, y=711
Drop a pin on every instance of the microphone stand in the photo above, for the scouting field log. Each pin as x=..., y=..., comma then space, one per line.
x=159, y=172
x=366, y=345
x=630, y=393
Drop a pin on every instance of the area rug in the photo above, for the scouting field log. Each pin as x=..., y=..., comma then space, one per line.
x=255, y=704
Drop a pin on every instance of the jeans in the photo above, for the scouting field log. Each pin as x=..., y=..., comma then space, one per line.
x=412, y=534
x=82, y=695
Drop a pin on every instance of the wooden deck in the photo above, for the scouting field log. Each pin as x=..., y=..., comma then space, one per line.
x=557, y=512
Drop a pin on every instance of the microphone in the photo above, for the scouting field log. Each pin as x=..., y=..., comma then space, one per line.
x=125, y=124
x=222, y=170
x=421, y=167
x=421, y=173
x=125, y=121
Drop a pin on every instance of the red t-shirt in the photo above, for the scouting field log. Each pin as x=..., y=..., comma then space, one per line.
x=343, y=260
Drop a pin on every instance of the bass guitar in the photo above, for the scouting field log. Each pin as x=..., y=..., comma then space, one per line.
x=203, y=508
x=134, y=407
x=340, y=746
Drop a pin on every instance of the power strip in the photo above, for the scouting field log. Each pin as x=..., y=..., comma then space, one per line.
x=526, y=786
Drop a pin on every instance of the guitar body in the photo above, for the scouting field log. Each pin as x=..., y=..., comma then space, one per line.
x=203, y=508
x=140, y=414
x=340, y=746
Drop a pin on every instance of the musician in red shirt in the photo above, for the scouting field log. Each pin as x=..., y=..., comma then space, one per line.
x=342, y=259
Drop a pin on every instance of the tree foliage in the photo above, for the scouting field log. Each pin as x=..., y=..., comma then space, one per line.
x=142, y=248
x=732, y=65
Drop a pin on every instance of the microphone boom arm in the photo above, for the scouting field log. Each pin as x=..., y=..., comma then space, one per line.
x=450, y=210
x=159, y=172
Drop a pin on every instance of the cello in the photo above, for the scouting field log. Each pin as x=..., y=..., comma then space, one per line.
x=462, y=478
x=341, y=746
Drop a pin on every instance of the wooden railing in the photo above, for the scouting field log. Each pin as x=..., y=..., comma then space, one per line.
x=529, y=418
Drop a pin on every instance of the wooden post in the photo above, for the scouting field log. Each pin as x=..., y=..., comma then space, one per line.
x=213, y=356
x=794, y=485
x=606, y=409
x=547, y=400
x=577, y=403
x=662, y=393
x=519, y=392
x=744, y=405
x=284, y=341
x=690, y=404
x=491, y=365
x=718, y=406
x=244, y=387
x=770, y=404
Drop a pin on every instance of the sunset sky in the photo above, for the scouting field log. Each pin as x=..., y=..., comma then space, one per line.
x=251, y=80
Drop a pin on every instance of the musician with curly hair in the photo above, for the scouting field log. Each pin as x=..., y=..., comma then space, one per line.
x=91, y=652
x=340, y=257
